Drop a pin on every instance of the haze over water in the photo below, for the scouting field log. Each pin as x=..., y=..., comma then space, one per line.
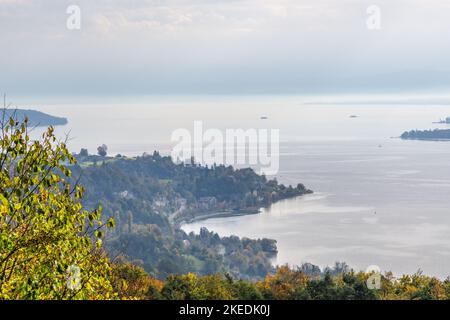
x=377, y=201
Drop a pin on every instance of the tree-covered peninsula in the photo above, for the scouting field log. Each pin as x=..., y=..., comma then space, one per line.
x=150, y=197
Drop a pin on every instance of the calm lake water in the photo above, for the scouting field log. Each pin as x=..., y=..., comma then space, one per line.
x=377, y=201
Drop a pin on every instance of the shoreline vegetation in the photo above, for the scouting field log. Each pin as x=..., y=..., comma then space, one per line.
x=204, y=202
x=219, y=214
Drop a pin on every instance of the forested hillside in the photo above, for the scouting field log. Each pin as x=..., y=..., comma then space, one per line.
x=150, y=196
x=284, y=284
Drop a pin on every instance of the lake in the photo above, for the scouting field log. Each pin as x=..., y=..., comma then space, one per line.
x=378, y=200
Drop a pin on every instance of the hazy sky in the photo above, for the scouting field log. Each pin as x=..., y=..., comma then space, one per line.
x=223, y=46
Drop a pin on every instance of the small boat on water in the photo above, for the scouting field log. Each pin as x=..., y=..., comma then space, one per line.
x=263, y=118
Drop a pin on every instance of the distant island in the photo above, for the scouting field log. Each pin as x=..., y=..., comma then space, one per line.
x=436, y=135
x=188, y=191
x=35, y=118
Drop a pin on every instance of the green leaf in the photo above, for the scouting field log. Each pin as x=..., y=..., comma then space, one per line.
x=99, y=234
x=111, y=223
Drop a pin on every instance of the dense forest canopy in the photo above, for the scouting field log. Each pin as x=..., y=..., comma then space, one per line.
x=151, y=196
x=436, y=134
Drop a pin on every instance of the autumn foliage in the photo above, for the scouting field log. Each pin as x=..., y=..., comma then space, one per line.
x=50, y=247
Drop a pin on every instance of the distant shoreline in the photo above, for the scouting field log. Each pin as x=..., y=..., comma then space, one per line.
x=427, y=135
